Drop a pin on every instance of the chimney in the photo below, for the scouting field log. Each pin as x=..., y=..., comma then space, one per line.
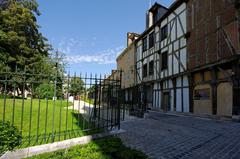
x=131, y=37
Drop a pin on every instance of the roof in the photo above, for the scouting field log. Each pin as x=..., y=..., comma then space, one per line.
x=156, y=6
x=176, y=4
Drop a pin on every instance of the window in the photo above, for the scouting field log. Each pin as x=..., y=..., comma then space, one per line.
x=151, y=40
x=145, y=44
x=145, y=70
x=164, y=60
x=164, y=32
x=151, y=68
x=202, y=94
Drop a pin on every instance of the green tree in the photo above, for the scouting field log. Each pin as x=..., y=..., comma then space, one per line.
x=45, y=90
x=21, y=43
x=76, y=86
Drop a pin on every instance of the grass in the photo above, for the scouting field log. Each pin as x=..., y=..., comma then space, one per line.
x=106, y=148
x=47, y=121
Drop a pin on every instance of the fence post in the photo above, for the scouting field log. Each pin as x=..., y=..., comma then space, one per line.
x=119, y=99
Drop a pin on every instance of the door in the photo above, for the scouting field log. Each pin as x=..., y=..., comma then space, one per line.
x=224, y=99
x=165, y=102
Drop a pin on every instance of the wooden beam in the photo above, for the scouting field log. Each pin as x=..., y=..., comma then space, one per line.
x=214, y=91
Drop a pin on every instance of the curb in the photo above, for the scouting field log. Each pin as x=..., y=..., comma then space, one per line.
x=209, y=117
x=37, y=150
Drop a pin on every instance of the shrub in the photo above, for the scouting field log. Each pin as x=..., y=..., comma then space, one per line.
x=10, y=137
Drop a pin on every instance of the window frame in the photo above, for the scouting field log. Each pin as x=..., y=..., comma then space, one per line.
x=164, y=60
x=151, y=68
x=164, y=32
x=144, y=44
x=145, y=70
x=151, y=40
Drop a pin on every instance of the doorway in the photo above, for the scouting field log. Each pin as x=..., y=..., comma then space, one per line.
x=166, y=101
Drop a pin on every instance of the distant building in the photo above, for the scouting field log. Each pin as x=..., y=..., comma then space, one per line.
x=126, y=64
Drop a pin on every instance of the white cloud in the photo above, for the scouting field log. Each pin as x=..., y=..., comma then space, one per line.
x=70, y=47
x=104, y=57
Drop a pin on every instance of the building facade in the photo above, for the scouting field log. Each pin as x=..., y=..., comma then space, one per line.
x=126, y=64
x=213, y=56
x=161, y=59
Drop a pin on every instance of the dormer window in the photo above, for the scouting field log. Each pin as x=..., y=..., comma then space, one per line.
x=155, y=16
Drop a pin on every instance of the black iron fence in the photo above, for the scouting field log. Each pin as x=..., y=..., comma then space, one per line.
x=53, y=107
x=133, y=101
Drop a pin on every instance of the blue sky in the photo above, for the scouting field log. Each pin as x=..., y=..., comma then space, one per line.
x=92, y=33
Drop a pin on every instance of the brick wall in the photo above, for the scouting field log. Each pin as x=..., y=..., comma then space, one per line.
x=210, y=23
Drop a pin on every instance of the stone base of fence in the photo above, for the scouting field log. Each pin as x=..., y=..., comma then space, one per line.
x=36, y=150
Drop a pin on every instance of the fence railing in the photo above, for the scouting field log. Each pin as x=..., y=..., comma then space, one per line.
x=49, y=108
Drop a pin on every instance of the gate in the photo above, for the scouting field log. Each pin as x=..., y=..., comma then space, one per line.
x=54, y=107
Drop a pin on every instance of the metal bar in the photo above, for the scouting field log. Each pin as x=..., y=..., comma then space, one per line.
x=5, y=92
x=61, y=105
x=46, y=119
x=89, y=109
x=14, y=100
x=111, y=102
x=85, y=94
x=79, y=111
x=67, y=105
x=38, y=118
x=74, y=83
x=24, y=81
x=99, y=102
x=30, y=120
x=95, y=99
x=108, y=101
x=54, y=107
x=60, y=121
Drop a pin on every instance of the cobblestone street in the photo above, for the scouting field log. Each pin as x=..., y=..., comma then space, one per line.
x=169, y=136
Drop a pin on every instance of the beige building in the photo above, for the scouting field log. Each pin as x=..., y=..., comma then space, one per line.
x=126, y=64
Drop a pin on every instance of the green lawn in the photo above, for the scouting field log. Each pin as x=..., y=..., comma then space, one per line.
x=48, y=120
x=106, y=148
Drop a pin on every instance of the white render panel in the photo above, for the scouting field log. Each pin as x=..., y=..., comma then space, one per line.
x=180, y=8
x=164, y=49
x=173, y=32
x=185, y=81
x=171, y=17
x=183, y=42
x=185, y=100
x=175, y=65
x=183, y=59
x=183, y=18
x=179, y=82
x=176, y=45
x=164, y=22
x=172, y=100
x=170, y=48
x=179, y=29
x=179, y=100
x=151, y=58
x=170, y=84
x=170, y=65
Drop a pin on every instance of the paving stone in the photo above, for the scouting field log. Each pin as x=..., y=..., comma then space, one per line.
x=167, y=136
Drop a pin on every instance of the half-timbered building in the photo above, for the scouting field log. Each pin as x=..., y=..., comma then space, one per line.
x=213, y=55
x=161, y=59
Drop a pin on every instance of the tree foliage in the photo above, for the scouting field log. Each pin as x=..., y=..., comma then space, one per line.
x=21, y=43
x=76, y=86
